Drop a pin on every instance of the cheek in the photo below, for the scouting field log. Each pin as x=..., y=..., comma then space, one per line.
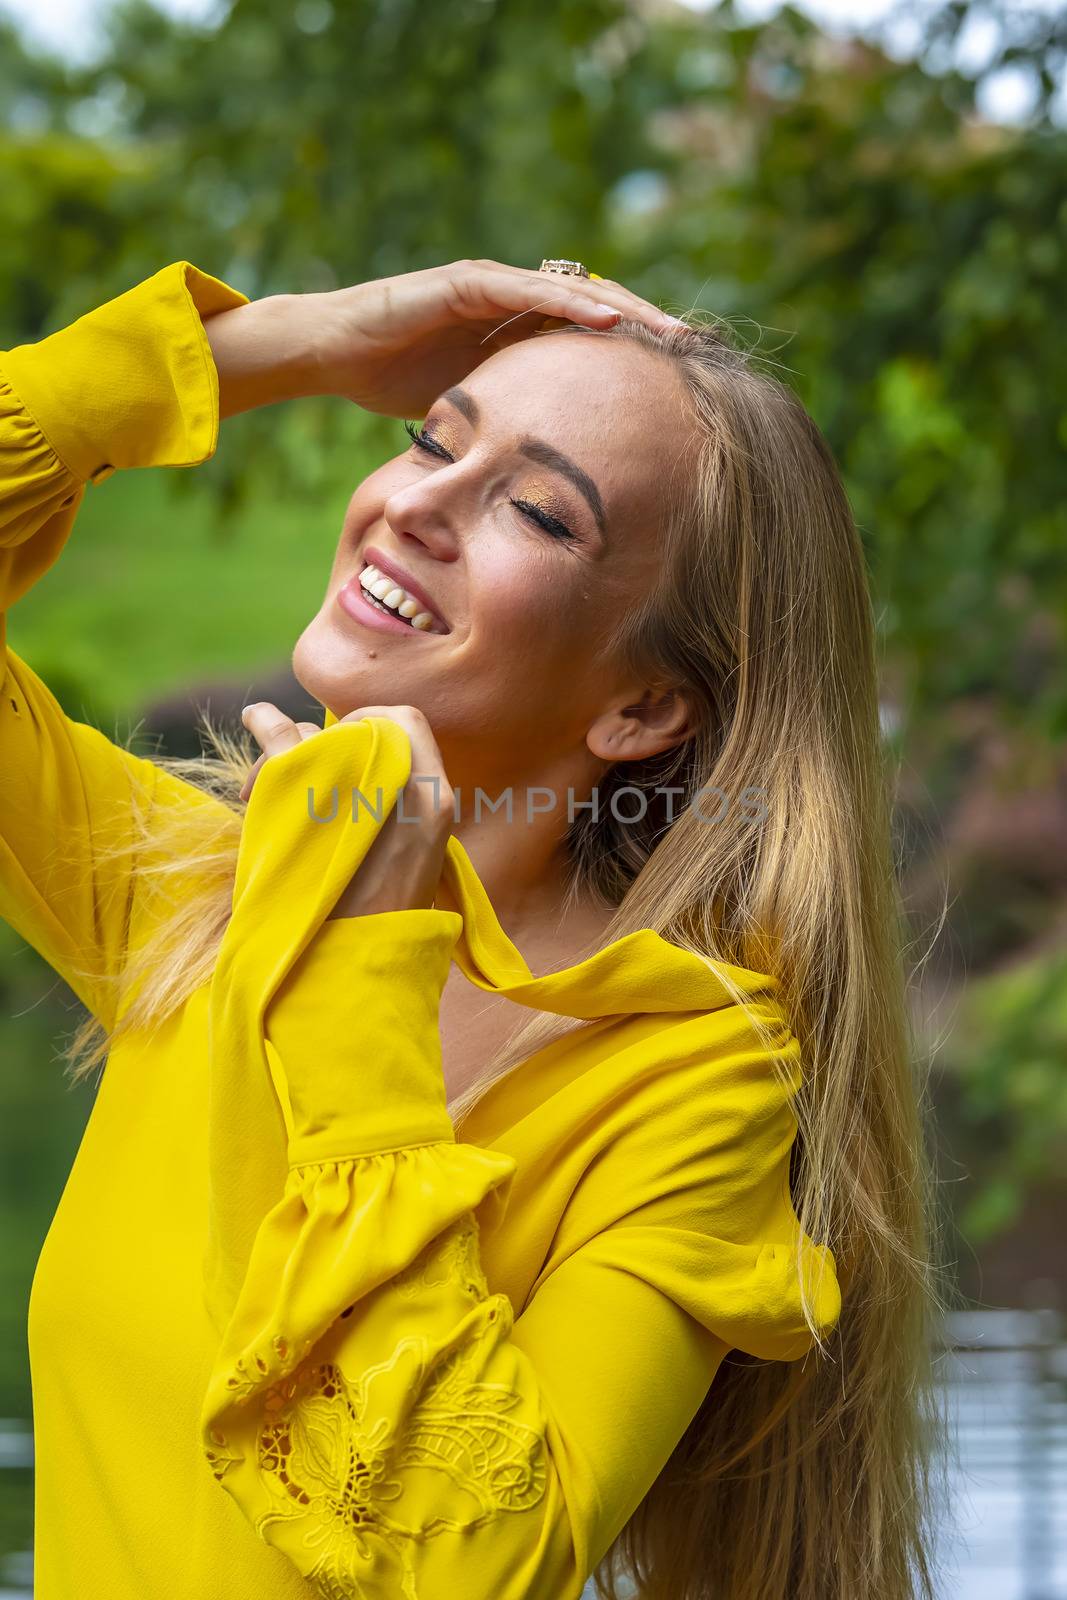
x=361, y=511
x=363, y=506
x=529, y=599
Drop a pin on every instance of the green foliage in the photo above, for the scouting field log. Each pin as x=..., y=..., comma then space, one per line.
x=902, y=258
x=1009, y=1045
x=908, y=263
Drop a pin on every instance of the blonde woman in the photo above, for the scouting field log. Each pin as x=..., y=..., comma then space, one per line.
x=358, y=1287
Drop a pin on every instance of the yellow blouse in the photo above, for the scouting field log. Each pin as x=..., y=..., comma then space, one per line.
x=287, y=1335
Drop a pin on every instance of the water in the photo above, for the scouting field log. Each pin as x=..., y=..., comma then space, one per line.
x=1005, y=1377
x=1006, y=1385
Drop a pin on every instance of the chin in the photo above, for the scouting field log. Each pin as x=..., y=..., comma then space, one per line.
x=325, y=669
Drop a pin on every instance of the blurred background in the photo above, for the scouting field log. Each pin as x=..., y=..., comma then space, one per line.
x=875, y=195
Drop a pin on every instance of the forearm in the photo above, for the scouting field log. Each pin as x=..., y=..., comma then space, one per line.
x=270, y=350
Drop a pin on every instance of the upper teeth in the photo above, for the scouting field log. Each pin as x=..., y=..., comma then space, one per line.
x=397, y=599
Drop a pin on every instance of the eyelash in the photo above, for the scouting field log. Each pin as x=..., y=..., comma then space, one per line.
x=424, y=441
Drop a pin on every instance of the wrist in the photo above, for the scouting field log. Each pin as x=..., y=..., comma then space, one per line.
x=271, y=350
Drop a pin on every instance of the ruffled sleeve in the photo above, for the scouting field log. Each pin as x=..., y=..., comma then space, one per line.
x=378, y=1413
x=130, y=384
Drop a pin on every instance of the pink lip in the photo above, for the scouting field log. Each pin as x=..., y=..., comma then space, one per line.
x=405, y=580
x=350, y=598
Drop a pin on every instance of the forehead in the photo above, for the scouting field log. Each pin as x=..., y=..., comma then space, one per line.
x=616, y=410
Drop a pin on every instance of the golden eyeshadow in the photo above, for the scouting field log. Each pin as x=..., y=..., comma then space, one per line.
x=541, y=493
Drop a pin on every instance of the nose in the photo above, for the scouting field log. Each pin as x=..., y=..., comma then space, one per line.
x=425, y=514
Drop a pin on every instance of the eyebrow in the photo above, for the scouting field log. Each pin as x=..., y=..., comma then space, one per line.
x=546, y=455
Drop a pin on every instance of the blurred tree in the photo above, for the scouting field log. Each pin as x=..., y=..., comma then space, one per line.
x=1007, y=1048
x=304, y=147
x=903, y=257
x=908, y=261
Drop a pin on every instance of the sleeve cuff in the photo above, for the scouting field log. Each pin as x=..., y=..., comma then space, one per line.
x=356, y=1025
x=133, y=382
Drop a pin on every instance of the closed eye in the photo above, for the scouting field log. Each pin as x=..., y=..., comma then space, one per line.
x=425, y=442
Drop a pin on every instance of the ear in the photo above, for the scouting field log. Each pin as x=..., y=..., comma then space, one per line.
x=658, y=721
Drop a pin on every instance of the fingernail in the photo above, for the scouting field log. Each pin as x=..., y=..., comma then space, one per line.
x=610, y=310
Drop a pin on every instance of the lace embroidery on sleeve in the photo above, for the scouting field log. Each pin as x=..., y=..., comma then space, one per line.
x=455, y=1258
x=339, y=1452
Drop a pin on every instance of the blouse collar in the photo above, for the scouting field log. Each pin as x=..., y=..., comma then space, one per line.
x=640, y=972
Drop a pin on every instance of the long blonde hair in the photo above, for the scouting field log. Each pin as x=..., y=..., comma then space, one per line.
x=814, y=1480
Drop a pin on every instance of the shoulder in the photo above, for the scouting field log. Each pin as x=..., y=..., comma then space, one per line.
x=691, y=1117
x=689, y=1189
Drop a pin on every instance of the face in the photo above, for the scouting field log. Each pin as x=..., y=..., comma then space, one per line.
x=522, y=564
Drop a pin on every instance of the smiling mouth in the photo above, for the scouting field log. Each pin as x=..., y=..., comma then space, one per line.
x=378, y=590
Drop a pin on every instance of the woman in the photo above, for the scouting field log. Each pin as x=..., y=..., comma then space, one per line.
x=356, y=1288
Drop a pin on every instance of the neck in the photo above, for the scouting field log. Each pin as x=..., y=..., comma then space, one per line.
x=519, y=852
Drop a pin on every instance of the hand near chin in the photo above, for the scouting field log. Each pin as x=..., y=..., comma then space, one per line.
x=394, y=344
x=402, y=868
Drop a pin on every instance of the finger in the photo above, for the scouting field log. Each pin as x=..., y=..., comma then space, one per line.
x=307, y=730
x=250, y=778
x=583, y=297
x=496, y=289
x=618, y=293
x=271, y=728
x=423, y=744
x=427, y=798
x=510, y=299
x=633, y=305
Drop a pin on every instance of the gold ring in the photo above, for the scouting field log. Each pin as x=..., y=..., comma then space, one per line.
x=569, y=269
